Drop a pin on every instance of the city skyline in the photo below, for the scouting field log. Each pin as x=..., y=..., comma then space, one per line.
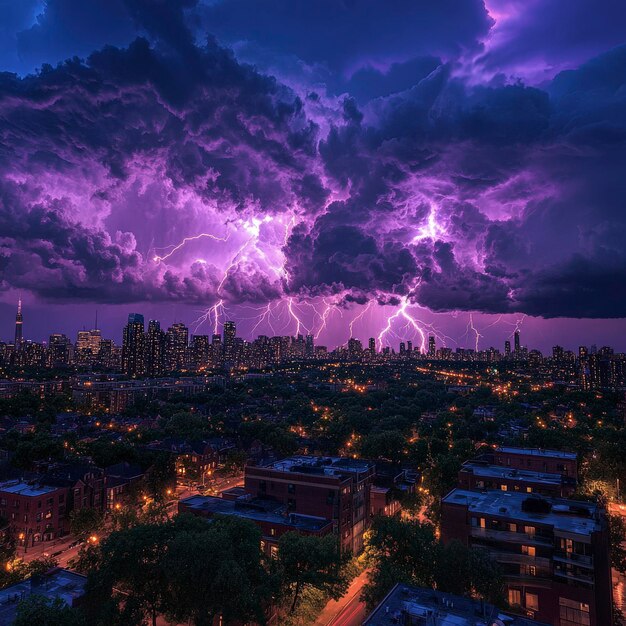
x=392, y=341
x=435, y=175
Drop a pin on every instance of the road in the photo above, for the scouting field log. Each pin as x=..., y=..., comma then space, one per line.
x=348, y=610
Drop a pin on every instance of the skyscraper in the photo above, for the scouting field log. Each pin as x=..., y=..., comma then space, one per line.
x=19, y=322
x=507, y=348
x=155, y=349
x=176, y=344
x=372, y=345
x=230, y=332
x=432, y=348
x=517, y=346
x=133, y=346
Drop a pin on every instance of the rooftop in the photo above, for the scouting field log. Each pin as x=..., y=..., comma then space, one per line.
x=255, y=509
x=565, y=515
x=499, y=471
x=57, y=583
x=326, y=465
x=435, y=608
x=22, y=488
x=541, y=452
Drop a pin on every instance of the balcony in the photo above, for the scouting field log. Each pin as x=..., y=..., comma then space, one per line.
x=521, y=559
x=577, y=559
x=510, y=537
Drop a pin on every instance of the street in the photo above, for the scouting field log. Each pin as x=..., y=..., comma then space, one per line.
x=348, y=610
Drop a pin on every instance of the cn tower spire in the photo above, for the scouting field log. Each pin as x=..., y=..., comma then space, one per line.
x=19, y=322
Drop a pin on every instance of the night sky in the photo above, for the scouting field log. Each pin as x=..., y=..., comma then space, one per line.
x=386, y=168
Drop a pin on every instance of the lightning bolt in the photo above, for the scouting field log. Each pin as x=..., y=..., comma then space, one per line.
x=299, y=323
x=159, y=259
x=403, y=313
x=470, y=326
x=358, y=317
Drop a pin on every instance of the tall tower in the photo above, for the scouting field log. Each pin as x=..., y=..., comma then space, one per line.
x=133, y=346
x=432, y=347
x=19, y=322
x=230, y=332
x=516, y=343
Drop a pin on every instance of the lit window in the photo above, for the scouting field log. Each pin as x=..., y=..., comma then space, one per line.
x=532, y=601
x=515, y=597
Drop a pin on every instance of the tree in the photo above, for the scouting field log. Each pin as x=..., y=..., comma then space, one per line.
x=207, y=563
x=309, y=561
x=85, y=522
x=131, y=562
x=43, y=611
x=617, y=538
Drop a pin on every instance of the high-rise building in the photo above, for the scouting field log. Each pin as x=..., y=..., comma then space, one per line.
x=176, y=344
x=516, y=341
x=19, y=323
x=133, y=346
x=432, y=348
x=155, y=349
x=507, y=349
x=60, y=351
x=355, y=348
x=230, y=332
x=200, y=348
x=310, y=346
x=372, y=345
x=409, y=347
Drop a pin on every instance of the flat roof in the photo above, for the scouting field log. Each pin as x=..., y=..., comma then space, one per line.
x=322, y=465
x=24, y=489
x=257, y=509
x=438, y=608
x=58, y=583
x=565, y=515
x=559, y=454
x=500, y=471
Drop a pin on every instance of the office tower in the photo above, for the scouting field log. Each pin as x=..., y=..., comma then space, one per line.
x=432, y=348
x=310, y=346
x=558, y=353
x=155, y=349
x=517, y=346
x=176, y=343
x=355, y=348
x=107, y=356
x=372, y=345
x=583, y=367
x=60, y=351
x=409, y=347
x=402, y=348
x=230, y=332
x=133, y=346
x=217, y=351
x=88, y=346
x=200, y=348
x=19, y=323
x=507, y=349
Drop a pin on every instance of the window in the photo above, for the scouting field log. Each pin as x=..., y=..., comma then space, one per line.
x=481, y=522
x=512, y=528
x=515, y=597
x=274, y=552
x=529, y=530
x=291, y=488
x=529, y=489
x=272, y=532
x=503, y=487
x=572, y=613
x=529, y=550
x=532, y=601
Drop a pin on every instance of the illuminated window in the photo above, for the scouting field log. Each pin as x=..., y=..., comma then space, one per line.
x=515, y=597
x=529, y=550
x=532, y=601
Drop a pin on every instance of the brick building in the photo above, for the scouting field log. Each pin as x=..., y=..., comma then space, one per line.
x=35, y=512
x=328, y=487
x=537, y=460
x=479, y=475
x=554, y=553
